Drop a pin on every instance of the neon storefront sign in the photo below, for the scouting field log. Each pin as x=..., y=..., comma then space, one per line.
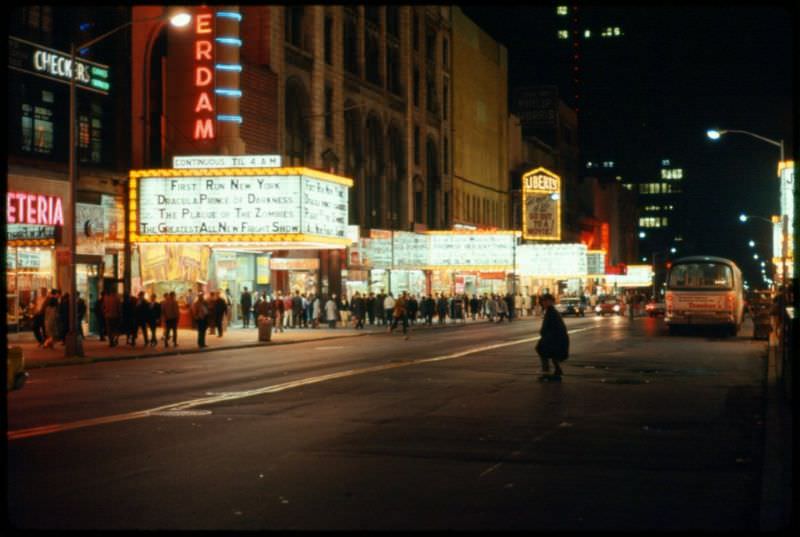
x=34, y=209
x=204, y=107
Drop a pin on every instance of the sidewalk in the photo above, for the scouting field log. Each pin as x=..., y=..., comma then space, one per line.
x=235, y=337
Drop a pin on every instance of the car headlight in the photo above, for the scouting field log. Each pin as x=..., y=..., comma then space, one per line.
x=616, y=307
x=597, y=309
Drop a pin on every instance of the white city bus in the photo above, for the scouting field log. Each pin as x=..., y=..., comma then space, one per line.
x=704, y=290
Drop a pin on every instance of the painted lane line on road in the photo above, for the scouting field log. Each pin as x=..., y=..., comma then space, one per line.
x=275, y=388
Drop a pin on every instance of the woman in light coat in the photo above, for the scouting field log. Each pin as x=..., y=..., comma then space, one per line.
x=331, y=313
x=51, y=322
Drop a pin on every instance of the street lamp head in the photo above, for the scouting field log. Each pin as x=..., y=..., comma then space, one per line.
x=755, y=256
x=713, y=134
x=642, y=235
x=742, y=217
x=752, y=244
x=673, y=250
x=180, y=19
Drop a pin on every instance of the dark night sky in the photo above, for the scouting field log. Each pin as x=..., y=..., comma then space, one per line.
x=677, y=71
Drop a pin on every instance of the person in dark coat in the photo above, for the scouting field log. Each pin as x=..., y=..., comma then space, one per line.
x=97, y=307
x=441, y=305
x=141, y=317
x=246, y=302
x=554, y=343
x=474, y=306
x=153, y=318
x=380, y=314
x=428, y=309
x=81, y=313
x=370, y=308
x=359, y=308
x=412, y=307
x=220, y=308
x=297, y=309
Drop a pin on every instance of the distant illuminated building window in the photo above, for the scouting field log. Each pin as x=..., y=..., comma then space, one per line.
x=587, y=34
x=589, y=164
x=664, y=221
x=627, y=186
x=665, y=162
x=563, y=34
x=676, y=173
x=617, y=31
x=608, y=164
x=649, y=221
x=562, y=10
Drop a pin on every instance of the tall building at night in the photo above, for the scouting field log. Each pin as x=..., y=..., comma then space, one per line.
x=480, y=126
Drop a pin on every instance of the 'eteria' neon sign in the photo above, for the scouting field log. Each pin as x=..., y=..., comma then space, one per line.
x=204, y=78
x=25, y=208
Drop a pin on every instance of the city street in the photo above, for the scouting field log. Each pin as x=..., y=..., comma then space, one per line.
x=450, y=429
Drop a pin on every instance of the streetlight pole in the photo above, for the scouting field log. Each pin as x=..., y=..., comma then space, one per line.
x=73, y=345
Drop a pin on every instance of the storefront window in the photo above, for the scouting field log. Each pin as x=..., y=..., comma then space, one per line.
x=27, y=270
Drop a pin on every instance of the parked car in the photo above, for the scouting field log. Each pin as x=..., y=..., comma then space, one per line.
x=608, y=306
x=654, y=308
x=15, y=369
x=570, y=306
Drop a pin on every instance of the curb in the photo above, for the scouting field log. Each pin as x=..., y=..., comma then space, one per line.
x=196, y=350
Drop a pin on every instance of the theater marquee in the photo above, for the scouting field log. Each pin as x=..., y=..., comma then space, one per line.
x=239, y=205
x=541, y=205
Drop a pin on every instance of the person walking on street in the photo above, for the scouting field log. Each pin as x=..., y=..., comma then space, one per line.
x=412, y=306
x=441, y=306
x=200, y=318
x=400, y=314
x=474, y=306
x=359, y=308
x=331, y=312
x=112, y=309
x=81, y=313
x=370, y=307
x=50, y=322
x=246, y=301
x=554, y=342
x=428, y=309
x=380, y=312
x=170, y=313
x=297, y=309
x=141, y=316
x=388, y=308
x=220, y=309
x=277, y=311
x=153, y=318
x=38, y=316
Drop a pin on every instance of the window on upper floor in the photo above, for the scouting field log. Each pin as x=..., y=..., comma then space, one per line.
x=393, y=21
x=350, y=44
x=562, y=10
x=329, y=40
x=293, y=25
x=430, y=44
x=372, y=59
x=563, y=34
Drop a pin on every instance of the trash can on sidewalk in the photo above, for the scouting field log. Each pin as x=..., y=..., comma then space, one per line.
x=264, y=328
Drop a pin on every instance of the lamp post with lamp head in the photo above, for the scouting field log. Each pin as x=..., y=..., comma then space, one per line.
x=73, y=345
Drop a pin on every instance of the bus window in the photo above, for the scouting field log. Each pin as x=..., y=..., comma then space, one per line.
x=700, y=276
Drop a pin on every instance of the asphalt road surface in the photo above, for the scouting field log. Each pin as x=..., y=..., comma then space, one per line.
x=450, y=429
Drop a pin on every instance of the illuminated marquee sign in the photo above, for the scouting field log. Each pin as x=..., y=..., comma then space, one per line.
x=239, y=205
x=552, y=260
x=226, y=161
x=595, y=262
x=491, y=249
x=204, y=104
x=541, y=205
x=637, y=276
x=49, y=63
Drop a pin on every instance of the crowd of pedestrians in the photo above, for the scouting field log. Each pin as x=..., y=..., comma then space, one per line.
x=141, y=315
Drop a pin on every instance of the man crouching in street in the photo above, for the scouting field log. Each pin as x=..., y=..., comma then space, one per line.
x=554, y=343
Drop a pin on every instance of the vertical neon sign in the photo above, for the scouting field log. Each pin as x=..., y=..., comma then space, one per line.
x=204, y=78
